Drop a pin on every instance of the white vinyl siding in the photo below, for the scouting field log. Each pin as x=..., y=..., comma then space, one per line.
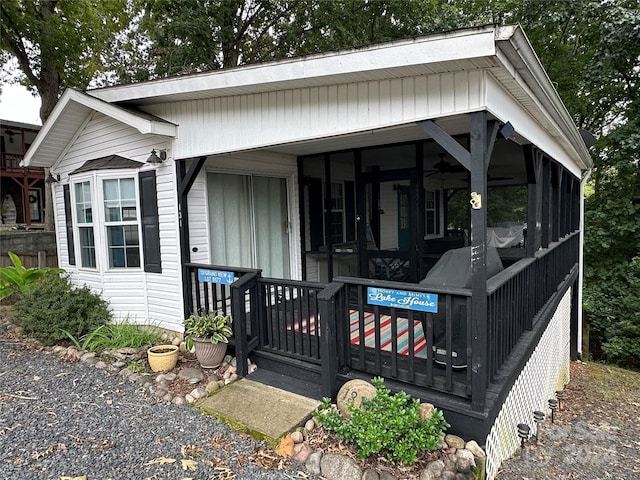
x=243, y=122
x=140, y=296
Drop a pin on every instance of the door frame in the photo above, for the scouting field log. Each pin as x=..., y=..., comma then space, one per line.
x=416, y=207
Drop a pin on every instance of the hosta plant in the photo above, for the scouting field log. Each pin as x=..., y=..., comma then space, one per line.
x=214, y=326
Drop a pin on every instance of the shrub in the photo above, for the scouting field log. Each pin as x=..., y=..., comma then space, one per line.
x=117, y=335
x=17, y=278
x=386, y=424
x=52, y=306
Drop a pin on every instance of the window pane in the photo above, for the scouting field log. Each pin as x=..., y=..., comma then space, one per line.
x=127, y=189
x=116, y=257
x=129, y=213
x=87, y=247
x=133, y=257
x=111, y=190
x=131, y=235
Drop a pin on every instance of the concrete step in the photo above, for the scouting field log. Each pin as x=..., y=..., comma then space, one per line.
x=265, y=412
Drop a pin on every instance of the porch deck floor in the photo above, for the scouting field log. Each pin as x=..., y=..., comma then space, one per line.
x=263, y=411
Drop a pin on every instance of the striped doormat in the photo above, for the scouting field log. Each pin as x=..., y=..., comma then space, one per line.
x=402, y=332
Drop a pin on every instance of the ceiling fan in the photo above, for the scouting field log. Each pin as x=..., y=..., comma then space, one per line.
x=443, y=167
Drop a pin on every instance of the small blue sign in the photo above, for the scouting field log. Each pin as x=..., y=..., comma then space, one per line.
x=215, y=276
x=419, y=301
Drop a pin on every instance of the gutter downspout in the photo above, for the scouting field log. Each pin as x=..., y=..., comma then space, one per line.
x=583, y=181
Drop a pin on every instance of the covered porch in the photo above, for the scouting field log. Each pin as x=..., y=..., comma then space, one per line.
x=377, y=230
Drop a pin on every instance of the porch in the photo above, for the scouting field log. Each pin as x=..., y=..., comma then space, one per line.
x=328, y=333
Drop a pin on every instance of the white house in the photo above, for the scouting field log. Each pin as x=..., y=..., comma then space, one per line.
x=290, y=191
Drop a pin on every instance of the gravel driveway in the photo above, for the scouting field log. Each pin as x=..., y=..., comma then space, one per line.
x=72, y=420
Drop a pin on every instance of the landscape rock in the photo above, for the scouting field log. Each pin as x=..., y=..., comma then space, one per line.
x=464, y=461
x=339, y=467
x=297, y=437
x=454, y=441
x=313, y=463
x=179, y=400
x=432, y=471
x=370, y=474
x=353, y=392
x=301, y=452
x=212, y=387
x=474, y=448
x=189, y=373
x=426, y=411
x=197, y=393
x=309, y=425
x=387, y=476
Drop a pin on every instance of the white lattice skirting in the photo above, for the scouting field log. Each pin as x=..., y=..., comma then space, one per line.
x=545, y=372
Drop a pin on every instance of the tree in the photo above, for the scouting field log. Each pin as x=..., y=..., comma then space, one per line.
x=58, y=43
x=203, y=35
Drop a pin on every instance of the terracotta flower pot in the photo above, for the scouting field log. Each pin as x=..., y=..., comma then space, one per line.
x=162, y=357
x=210, y=355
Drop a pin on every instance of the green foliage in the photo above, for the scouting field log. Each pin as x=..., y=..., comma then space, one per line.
x=52, y=306
x=16, y=278
x=386, y=424
x=139, y=366
x=116, y=335
x=213, y=325
x=59, y=44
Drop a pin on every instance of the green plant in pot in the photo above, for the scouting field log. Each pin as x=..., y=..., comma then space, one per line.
x=210, y=335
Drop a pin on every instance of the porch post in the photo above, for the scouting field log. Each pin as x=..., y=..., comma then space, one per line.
x=479, y=325
x=185, y=182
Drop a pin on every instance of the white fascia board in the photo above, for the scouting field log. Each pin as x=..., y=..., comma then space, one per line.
x=139, y=122
x=324, y=68
x=513, y=43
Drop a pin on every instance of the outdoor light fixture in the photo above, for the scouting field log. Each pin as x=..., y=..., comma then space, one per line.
x=560, y=397
x=154, y=159
x=553, y=405
x=506, y=131
x=51, y=179
x=538, y=417
x=523, y=433
x=10, y=133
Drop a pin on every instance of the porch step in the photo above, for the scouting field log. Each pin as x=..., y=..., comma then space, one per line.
x=265, y=412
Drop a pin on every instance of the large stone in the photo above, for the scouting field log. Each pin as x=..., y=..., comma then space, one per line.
x=464, y=461
x=426, y=411
x=454, y=441
x=301, y=452
x=354, y=391
x=339, y=467
x=189, y=373
x=474, y=448
x=313, y=463
x=433, y=470
x=387, y=476
x=370, y=474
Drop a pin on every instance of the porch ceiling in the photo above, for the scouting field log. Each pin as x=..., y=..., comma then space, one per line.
x=503, y=168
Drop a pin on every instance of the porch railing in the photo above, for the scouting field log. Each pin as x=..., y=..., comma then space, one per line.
x=290, y=315
x=517, y=294
x=333, y=326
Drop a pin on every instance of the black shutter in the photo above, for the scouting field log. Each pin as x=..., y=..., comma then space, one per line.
x=150, y=223
x=71, y=251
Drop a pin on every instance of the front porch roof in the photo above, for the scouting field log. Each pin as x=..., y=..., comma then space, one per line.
x=73, y=110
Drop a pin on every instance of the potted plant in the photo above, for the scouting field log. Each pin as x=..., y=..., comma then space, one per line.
x=210, y=335
x=162, y=358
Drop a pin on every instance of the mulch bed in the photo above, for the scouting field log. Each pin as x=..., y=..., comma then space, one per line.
x=595, y=435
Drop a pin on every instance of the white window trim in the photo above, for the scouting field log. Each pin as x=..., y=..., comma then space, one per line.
x=96, y=179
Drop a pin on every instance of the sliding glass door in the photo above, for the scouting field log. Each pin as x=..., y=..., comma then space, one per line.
x=249, y=222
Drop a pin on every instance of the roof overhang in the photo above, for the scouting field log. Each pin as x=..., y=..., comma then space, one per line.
x=71, y=112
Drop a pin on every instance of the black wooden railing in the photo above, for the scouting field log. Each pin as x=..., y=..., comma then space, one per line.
x=334, y=326
x=518, y=293
x=290, y=318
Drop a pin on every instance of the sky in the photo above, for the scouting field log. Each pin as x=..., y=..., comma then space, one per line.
x=19, y=105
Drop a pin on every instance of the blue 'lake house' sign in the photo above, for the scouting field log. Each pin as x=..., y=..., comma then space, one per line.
x=386, y=297
x=215, y=276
